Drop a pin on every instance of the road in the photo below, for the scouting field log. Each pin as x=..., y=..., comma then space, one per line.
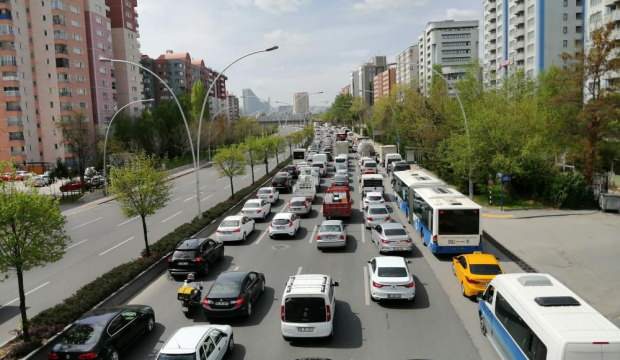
x=440, y=324
x=102, y=238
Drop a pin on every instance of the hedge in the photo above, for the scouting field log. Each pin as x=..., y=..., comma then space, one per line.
x=51, y=321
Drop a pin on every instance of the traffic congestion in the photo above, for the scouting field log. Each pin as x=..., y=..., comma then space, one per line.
x=336, y=257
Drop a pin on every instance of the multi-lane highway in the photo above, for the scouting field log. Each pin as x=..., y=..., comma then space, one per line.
x=102, y=237
x=440, y=324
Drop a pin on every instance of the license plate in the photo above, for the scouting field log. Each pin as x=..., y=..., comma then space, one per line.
x=221, y=303
x=280, y=227
x=393, y=296
x=183, y=263
x=305, y=329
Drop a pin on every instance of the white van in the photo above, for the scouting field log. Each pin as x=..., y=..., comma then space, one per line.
x=319, y=158
x=371, y=183
x=308, y=307
x=389, y=159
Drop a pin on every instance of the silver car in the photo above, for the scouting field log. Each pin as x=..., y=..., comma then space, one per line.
x=391, y=237
x=331, y=234
x=375, y=215
x=299, y=205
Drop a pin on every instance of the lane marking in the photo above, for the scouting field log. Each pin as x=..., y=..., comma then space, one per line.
x=175, y=199
x=189, y=198
x=366, y=289
x=117, y=245
x=260, y=238
x=128, y=221
x=207, y=197
x=363, y=233
x=172, y=216
x=87, y=223
x=27, y=293
x=316, y=227
x=76, y=244
x=299, y=270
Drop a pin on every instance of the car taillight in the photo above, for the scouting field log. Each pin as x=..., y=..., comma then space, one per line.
x=259, y=211
x=369, y=218
x=435, y=238
x=377, y=285
x=240, y=301
x=198, y=259
x=170, y=258
x=53, y=356
x=410, y=285
x=88, y=355
x=471, y=281
x=328, y=313
x=290, y=223
x=237, y=230
x=318, y=237
x=282, y=312
x=341, y=237
x=206, y=303
x=385, y=241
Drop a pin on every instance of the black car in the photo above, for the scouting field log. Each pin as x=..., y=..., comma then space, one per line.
x=233, y=293
x=103, y=333
x=195, y=256
x=282, y=181
x=292, y=170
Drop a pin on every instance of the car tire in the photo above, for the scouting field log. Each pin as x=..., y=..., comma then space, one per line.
x=150, y=324
x=231, y=345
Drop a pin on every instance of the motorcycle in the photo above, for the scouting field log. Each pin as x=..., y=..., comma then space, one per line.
x=189, y=297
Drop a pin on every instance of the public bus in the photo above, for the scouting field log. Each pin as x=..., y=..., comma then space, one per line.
x=403, y=183
x=534, y=316
x=448, y=221
x=299, y=155
x=370, y=183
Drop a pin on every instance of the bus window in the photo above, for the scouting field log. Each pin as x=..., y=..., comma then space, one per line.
x=531, y=345
x=459, y=222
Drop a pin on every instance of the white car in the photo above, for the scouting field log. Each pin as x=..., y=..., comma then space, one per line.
x=390, y=279
x=331, y=234
x=235, y=228
x=373, y=198
x=342, y=170
x=390, y=237
x=376, y=214
x=199, y=342
x=363, y=159
x=299, y=205
x=284, y=224
x=256, y=209
x=269, y=194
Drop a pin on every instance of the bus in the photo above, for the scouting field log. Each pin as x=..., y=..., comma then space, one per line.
x=448, y=221
x=403, y=183
x=299, y=155
x=534, y=316
x=371, y=182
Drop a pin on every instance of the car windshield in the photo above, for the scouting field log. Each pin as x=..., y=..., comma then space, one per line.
x=225, y=288
x=280, y=221
x=378, y=211
x=252, y=205
x=485, y=269
x=264, y=191
x=82, y=334
x=304, y=310
x=392, y=272
x=394, y=232
x=229, y=223
x=191, y=356
x=330, y=228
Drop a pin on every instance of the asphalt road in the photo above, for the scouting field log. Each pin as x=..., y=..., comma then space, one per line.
x=440, y=324
x=102, y=237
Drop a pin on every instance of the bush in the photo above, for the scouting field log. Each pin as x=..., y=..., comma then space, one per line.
x=569, y=190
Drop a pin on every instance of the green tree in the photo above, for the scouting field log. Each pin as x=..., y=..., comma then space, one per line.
x=31, y=234
x=230, y=161
x=255, y=152
x=141, y=189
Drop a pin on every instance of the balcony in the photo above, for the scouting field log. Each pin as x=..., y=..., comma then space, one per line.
x=16, y=136
x=61, y=49
x=17, y=152
x=519, y=57
x=66, y=107
x=13, y=106
x=64, y=92
x=8, y=61
x=58, y=20
x=5, y=14
x=10, y=76
x=12, y=93
x=613, y=16
x=519, y=44
x=7, y=45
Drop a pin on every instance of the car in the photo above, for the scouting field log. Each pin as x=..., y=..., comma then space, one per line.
x=282, y=181
x=41, y=180
x=390, y=279
x=363, y=159
x=235, y=228
x=369, y=167
x=256, y=209
x=308, y=307
x=340, y=180
x=292, y=170
x=475, y=271
x=284, y=223
x=269, y=194
x=331, y=234
x=199, y=342
x=195, y=255
x=391, y=237
x=343, y=170
x=400, y=166
x=299, y=205
x=373, y=198
x=234, y=293
x=103, y=333
x=321, y=166
x=376, y=214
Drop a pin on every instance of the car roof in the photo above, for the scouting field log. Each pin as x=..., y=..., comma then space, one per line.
x=232, y=275
x=282, y=215
x=298, y=198
x=189, y=244
x=233, y=217
x=481, y=258
x=391, y=261
x=392, y=225
x=332, y=222
x=267, y=188
x=185, y=339
x=254, y=200
x=377, y=206
x=282, y=173
x=374, y=193
x=307, y=284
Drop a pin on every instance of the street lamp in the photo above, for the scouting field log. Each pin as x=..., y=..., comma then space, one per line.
x=204, y=105
x=458, y=98
x=105, y=141
x=189, y=135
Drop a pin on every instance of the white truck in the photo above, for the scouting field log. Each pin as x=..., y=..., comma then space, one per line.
x=341, y=148
x=383, y=150
x=305, y=187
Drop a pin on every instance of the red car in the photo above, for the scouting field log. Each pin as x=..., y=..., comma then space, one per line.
x=72, y=186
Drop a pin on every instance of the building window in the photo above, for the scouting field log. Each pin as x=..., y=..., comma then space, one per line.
x=578, y=29
x=565, y=44
x=565, y=17
x=565, y=29
x=565, y=3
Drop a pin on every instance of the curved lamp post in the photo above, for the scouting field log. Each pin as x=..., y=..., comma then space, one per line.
x=189, y=135
x=105, y=141
x=204, y=105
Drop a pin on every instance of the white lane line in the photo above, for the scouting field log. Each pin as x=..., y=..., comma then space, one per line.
x=172, y=216
x=175, y=199
x=27, y=293
x=260, y=238
x=117, y=245
x=189, y=198
x=316, y=227
x=87, y=223
x=128, y=221
x=366, y=289
x=207, y=197
x=76, y=244
x=363, y=233
x=299, y=270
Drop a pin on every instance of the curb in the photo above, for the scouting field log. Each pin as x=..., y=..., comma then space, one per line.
x=512, y=256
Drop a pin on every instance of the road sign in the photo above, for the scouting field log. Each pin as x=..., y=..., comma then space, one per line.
x=506, y=178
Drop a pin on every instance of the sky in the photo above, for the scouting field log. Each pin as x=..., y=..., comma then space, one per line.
x=320, y=41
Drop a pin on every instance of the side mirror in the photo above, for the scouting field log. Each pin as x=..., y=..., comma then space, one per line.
x=368, y=261
x=408, y=261
x=335, y=283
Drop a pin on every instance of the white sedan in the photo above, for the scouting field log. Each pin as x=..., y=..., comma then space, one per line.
x=390, y=279
x=269, y=194
x=375, y=215
x=235, y=228
x=373, y=198
x=256, y=209
x=284, y=224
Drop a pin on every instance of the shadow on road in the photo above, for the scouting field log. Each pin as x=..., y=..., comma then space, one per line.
x=238, y=352
x=148, y=346
x=7, y=313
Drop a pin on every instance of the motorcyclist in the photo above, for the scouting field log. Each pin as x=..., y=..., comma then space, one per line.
x=190, y=286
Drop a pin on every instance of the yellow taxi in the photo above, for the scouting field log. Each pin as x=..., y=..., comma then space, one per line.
x=474, y=271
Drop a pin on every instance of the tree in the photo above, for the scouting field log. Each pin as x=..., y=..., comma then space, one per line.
x=275, y=145
x=31, y=234
x=79, y=136
x=230, y=161
x=141, y=189
x=255, y=152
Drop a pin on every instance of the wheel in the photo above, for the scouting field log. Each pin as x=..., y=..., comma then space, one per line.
x=113, y=354
x=150, y=324
x=483, y=326
x=262, y=288
x=249, y=311
x=231, y=345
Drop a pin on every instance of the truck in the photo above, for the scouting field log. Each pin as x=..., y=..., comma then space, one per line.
x=337, y=202
x=305, y=187
x=383, y=150
x=341, y=148
x=365, y=149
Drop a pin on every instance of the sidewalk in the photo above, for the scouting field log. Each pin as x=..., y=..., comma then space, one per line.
x=580, y=248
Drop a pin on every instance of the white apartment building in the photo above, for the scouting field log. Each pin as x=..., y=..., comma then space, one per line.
x=599, y=13
x=407, y=63
x=301, y=103
x=529, y=35
x=451, y=44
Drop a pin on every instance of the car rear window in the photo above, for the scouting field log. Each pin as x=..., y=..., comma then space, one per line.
x=394, y=232
x=82, y=334
x=252, y=205
x=184, y=254
x=225, y=288
x=485, y=269
x=304, y=310
x=229, y=223
x=378, y=211
x=191, y=356
x=280, y=221
x=392, y=272
x=374, y=198
x=298, y=203
x=264, y=191
x=401, y=167
x=370, y=164
x=330, y=228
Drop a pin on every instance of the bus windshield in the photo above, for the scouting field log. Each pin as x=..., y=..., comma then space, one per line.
x=459, y=222
x=299, y=155
x=372, y=183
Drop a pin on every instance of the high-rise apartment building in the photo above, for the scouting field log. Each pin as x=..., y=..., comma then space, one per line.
x=407, y=63
x=232, y=107
x=362, y=78
x=453, y=45
x=125, y=45
x=252, y=104
x=598, y=13
x=301, y=103
x=354, y=86
x=384, y=83
x=530, y=35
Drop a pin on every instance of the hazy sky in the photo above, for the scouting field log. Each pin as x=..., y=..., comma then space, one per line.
x=320, y=41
